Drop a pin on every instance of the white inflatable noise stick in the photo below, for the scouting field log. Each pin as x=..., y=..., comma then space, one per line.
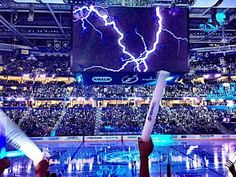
x=154, y=105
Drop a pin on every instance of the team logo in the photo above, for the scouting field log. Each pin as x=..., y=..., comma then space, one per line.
x=101, y=79
x=130, y=79
x=149, y=79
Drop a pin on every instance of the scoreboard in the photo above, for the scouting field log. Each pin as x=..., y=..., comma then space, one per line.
x=123, y=45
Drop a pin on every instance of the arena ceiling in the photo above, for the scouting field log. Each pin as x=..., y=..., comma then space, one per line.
x=38, y=21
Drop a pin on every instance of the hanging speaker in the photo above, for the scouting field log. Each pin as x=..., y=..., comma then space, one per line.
x=65, y=44
x=57, y=45
x=49, y=45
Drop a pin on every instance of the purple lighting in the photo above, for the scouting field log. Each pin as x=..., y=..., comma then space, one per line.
x=141, y=60
x=118, y=39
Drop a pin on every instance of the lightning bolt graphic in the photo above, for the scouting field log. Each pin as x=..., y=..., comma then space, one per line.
x=177, y=38
x=85, y=18
x=174, y=36
x=94, y=28
x=141, y=59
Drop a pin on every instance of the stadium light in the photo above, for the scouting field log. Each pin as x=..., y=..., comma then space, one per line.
x=80, y=98
x=20, y=99
x=230, y=103
x=53, y=1
x=26, y=1
x=42, y=75
x=227, y=4
x=79, y=78
x=26, y=75
x=226, y=84
x=169, y=78
x=43, y=1
x=206, y=76
x=217, y=75
x=204, y=4
x=9, y=98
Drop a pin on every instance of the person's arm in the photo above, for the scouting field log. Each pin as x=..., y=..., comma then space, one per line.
x=231, y=168
x=4, y=164
x=145, y=149
x=41, y=170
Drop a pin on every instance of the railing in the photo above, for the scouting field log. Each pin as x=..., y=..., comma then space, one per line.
x=222, y=128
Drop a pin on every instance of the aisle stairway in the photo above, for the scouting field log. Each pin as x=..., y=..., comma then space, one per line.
x=98, y=121
x=63, y=113
x=222, y=128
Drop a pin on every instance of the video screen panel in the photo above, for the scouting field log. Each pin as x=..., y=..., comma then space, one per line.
x=129, y=40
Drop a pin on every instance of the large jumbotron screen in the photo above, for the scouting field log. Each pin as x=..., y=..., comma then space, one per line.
x=114, y=44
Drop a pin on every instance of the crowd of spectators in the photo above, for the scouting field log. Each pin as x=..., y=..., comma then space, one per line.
x=78, y=122
x=49, y=91
x=36, y=66
x=42, y=121
x=62, y=90
x=209, y=63
x=81, y=120
x=221, y=90
x=121, y=120
x=35, y=122
x=179, y=90
x=179, y=120
x=37, y=90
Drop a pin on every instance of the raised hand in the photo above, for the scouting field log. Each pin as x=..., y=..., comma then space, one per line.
x=145, y=148
x=4, y=164
x=41, y=169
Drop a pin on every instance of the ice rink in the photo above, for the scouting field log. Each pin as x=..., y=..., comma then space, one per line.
x=121, y=159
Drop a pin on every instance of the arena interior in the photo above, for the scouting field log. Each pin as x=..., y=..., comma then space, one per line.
x=86, y=109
